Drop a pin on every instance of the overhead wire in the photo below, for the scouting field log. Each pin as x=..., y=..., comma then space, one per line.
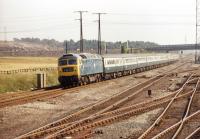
x=70, y=25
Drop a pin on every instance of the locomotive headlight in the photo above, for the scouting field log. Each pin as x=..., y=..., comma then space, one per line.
x=68, y=69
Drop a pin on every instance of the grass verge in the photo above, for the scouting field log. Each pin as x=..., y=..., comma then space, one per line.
x=24, y=81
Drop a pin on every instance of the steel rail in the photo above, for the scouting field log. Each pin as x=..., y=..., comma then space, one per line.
x=4, y=100
x=187, y=112
x=9, y=100
x=66, y=119
x=118, y=111
x=193, y=133
x=138, y=108
x=179, y=125
x=97, y=106
x=31, y=97
x=85, y=124
x=158, y=120
x=176, y=125
x=124, y=100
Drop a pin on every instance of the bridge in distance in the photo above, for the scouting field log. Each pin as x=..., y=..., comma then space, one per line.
x=175, y=47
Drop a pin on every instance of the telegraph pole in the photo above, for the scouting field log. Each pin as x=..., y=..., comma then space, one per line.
x=99, y=31
x=81, y=29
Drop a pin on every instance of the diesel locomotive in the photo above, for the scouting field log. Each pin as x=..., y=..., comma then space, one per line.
x=84, y=68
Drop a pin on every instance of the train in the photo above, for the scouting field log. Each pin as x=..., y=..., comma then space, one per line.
x=84, y=68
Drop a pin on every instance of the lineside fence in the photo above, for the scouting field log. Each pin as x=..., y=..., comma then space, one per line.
x=28, y=70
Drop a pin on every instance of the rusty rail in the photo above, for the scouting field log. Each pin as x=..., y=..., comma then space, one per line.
x=193, y=133
x=99, y=105
x=92, y=122
x=135, y=109
x=187, y=112
x=74, y=117
x=158, y=120
x=176, y=125
x=179, y=125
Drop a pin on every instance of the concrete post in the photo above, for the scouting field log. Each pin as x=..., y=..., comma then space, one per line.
x=41, y=80
x=44, y=80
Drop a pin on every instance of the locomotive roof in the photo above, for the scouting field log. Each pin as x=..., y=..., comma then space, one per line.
x=90, y=56
x=83, y=56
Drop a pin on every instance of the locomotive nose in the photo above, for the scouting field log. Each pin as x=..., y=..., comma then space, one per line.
x=71, y=70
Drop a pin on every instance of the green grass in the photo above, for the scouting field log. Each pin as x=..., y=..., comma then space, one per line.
x=24, y=81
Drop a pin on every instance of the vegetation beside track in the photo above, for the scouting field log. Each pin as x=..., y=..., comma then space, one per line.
x=27, y=80
x=24, y=81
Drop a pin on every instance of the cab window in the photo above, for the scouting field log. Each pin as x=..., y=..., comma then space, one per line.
x=72, y=62
x=62, y=62
x=68, y=62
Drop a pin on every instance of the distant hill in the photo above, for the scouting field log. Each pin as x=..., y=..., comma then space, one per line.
x=51, y=47
x=13, y=48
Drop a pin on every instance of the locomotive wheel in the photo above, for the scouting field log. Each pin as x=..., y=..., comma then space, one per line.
x=99, y=78
x=86, y=80
x=96, y=79
x=114, y=75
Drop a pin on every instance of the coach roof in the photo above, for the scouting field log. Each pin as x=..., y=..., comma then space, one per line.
x=90, y=56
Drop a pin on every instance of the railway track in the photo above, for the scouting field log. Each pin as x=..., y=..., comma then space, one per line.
x=194, y=134
x=136, y=109
x=175, y=127
x=163, y=127
x=110, y=117
x=102, y=105
x=5, y=96
x=24, y=97
x=95, y=110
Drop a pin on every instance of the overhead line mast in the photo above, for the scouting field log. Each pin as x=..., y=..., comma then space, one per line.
x=197, y=58
x=99, y=31
x=81, y=29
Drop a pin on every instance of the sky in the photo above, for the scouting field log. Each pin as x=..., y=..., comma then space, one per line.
x=160, y=21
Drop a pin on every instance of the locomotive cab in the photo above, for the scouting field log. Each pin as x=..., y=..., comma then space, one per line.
x=68, y=69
